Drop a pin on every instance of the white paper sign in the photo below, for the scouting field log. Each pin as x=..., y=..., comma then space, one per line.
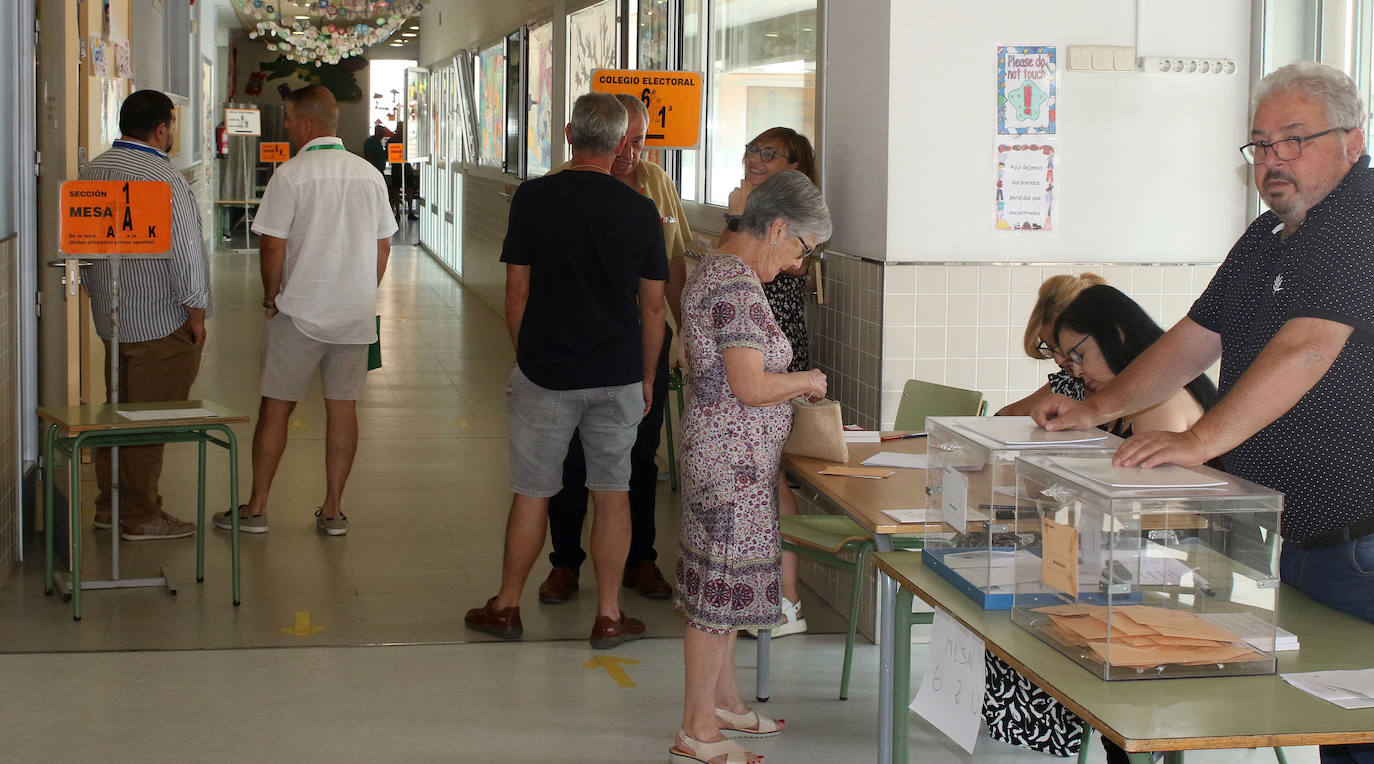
x=951, y=694
x=243, y=122
x=954, y=498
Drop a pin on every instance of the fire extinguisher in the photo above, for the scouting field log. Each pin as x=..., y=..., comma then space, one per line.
x=221, y=141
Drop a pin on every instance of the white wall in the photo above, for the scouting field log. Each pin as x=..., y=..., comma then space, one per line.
x=1148, y=169
x=447, y=26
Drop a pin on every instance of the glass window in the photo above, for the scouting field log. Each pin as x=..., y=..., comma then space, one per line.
x=763, y=74
x=514, y=109
x=593, y=43
x=539, y=127
x=692, y=57
x=652, y=49
x=491, y=86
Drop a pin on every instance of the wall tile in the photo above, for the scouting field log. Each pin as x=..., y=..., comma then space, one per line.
x=963, y=279
x=962, y=310
x=994, y=310
x=932, y=279
x=899, y=279
x=930, y=341
x=932, y=310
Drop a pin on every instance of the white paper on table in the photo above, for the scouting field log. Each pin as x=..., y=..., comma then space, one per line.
x=898, y=460
x=1167, y=476
x=951, y=694
x=994, y=569
x=1257, y=632
x=1331, y=686
x=862, y=436
x=954, y=498
x=150, y=414
x=1023, y=431
x=908, y=515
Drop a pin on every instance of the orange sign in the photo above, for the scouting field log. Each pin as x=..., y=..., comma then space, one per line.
x=274, y=152
x=672, y=98
x=115, y=217
x=395, y=152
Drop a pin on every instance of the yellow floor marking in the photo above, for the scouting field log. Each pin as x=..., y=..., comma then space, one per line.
x=302, y=627
x=611, y=664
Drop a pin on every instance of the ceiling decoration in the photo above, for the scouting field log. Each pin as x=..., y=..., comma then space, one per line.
x=324, y=31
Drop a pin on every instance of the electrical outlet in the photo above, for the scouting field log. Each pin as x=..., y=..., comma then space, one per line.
x=1186, y=65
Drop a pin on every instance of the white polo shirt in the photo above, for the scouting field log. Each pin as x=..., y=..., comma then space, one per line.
x=331, y=208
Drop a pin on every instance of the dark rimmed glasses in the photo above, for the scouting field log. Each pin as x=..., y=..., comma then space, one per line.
x=1046, y=351
x=766, y=153
x=1075, y=357
x=806, y=251
x=1286, y=149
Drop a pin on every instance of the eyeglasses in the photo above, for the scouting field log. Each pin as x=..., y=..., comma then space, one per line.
x=1286, y=150
x=1075, y=357
x=766, y=153
x=1046, y=351
x=806, y=251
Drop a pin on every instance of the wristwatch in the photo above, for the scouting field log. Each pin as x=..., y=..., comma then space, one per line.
x=268, y=305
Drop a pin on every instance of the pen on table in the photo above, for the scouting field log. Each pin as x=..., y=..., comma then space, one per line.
x=903, y=437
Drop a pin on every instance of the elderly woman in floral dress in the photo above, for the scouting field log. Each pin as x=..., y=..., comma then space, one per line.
x=737, y=417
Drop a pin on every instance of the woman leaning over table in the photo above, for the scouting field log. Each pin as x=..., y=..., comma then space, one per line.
x=737, y=417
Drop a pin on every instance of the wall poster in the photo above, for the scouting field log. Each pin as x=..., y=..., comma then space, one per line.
x=491, y=91
x=1026, y=90
x=1025, y=187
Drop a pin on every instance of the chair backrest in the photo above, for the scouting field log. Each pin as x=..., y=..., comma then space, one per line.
x=922, y=399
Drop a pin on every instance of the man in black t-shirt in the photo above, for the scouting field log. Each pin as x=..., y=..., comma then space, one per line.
x=585, y=268
x=1290, y=313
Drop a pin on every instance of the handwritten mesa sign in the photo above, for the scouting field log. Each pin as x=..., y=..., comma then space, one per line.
x=672, y=98
x=112, y=217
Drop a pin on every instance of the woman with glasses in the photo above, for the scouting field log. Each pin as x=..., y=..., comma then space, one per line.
x=774, y=150
x=1055, y=295
x=1099, y=334
x=737, y=417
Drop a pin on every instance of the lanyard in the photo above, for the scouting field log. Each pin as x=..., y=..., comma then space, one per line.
x=144, y=149
x=325, y=147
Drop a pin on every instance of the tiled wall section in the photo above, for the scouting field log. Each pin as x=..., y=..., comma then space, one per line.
x=962, y=325
x=9, y=397
x=486, y=209
x=846, y=335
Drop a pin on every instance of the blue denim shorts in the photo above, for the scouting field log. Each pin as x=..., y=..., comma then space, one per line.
x=540, y=423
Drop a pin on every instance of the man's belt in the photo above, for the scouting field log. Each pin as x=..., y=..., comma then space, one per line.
x=1340, y=536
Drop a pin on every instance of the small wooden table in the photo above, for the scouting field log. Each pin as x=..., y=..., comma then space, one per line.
x=1171, y=715
x=103, y=427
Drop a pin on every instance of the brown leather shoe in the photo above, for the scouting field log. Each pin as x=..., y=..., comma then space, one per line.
x=503, y=623
x=608, y=632
x=559, y=586
x=645, y=579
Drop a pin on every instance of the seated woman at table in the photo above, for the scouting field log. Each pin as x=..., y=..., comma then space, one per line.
x=737, y=416
x=1056, y=292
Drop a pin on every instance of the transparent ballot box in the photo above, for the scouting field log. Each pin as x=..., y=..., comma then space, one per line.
x=1150, y=574
x=971, y=482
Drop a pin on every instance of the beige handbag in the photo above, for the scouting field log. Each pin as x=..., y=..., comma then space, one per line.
x=817, y=431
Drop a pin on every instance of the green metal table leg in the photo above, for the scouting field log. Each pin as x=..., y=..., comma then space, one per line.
x=1086, y=744
x=49, y=467
x=200, y=512
x=901, y=674
x=1278, y=754
x=856, y=590
x=74, y=529
x=233, y=511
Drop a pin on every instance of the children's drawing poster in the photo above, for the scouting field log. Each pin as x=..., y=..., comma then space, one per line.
x=1026, y=99
x=1025, y=187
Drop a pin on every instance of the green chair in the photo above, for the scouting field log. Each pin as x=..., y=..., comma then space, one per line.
x=827, y=539
x=675, y=383
x=921, y=399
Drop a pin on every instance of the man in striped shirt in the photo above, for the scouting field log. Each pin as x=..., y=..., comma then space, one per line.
x=163, y=303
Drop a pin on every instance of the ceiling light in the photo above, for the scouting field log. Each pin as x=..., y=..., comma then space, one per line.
x=772, y=34
x=303, y=18
x=407, y=34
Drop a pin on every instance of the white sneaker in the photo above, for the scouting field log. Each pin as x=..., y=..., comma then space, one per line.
x=793, y=622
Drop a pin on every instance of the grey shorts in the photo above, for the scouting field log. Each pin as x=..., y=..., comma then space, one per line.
x=289, y=360
x=541, y=424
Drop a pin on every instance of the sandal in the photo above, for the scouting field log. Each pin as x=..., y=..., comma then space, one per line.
x=688, y=750
x=752, y=724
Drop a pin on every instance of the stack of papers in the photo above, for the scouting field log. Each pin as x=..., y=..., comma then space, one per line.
x=910, y=515
x=862, y=436
x=1347, y=689
x=901, y=461
x=1144, y=637
x=1023, y=431
x=1255, y=630
x=1168, y=476
x=149, y=415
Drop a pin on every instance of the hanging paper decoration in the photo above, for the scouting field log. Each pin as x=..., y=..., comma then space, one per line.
x=337, y=29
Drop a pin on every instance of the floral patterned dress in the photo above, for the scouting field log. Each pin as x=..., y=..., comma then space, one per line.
x=787, y=297
x=729, y=555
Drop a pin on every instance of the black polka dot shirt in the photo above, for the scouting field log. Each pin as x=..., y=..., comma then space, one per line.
x=1321, y=453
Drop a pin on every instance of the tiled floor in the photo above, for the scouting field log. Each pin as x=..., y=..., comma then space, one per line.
x=427, y=501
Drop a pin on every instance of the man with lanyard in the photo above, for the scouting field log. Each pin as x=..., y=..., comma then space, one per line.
x=163, y=305
x=326, y=233
x=569, y=507
x=1290, y=313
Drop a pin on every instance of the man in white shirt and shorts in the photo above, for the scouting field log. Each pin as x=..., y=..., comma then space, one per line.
x=325, y=228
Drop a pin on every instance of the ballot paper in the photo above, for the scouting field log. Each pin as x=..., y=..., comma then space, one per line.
x=1023, y=431
x=862, y=436
x=910, y=515
x=1100, y=470
x=898, y=460
x=1254, y=630
x=1347, y=689
x=146, y=415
